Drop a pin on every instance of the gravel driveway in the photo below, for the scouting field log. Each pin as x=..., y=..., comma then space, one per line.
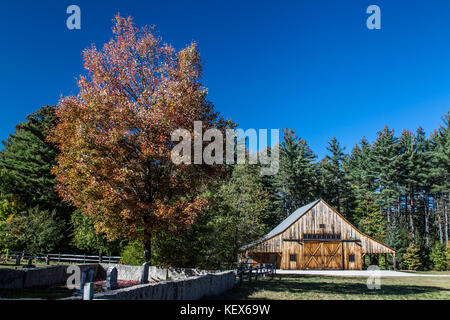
x=358, y=273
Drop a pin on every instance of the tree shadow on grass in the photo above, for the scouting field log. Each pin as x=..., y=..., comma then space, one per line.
x=47, y=293
x=313, y=285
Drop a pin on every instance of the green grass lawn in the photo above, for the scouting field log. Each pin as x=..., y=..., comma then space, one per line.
x=11, y=265
x=429, y=272
x=293, y=287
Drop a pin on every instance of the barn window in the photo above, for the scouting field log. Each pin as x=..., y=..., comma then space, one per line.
x=351, y=258
x=321, y=226
x=292, y=257
x=322, y=236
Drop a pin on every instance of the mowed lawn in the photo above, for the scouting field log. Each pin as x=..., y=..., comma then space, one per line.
x=297, y=287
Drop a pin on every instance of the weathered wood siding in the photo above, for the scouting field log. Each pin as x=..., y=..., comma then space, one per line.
x=269, y=257
x=291, y=248
x=352, y=248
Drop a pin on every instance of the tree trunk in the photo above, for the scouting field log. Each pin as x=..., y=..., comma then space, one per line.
x=411, y=213
x=235, y=247
x=427, y=225
x=148, y=249
x=438, y=214
x=446, y=219
x=406, y=204
x=388, y=214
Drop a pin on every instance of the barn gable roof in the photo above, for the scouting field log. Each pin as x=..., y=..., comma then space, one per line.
x=286, y=223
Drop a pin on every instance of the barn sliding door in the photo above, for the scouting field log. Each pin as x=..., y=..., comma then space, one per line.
x=312, y=255
x=332, y=255
x=322, y=255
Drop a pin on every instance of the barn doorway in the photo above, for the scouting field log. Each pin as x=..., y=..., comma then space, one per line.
x=322, y=255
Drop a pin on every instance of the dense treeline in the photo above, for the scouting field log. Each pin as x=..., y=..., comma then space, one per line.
x=395, y=189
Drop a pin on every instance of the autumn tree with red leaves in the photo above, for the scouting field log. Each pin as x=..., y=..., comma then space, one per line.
x=115, y=136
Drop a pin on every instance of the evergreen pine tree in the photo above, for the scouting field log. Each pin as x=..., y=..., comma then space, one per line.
x=334, y=185
x=438, y=257
x=440, y=176
x=411, y=258
x=297, y=176
x=385, y=160
x=408, y=177
x=357, y=168
x=397, y=238
x=373, y=222
x=26, y=161
x=27, y=184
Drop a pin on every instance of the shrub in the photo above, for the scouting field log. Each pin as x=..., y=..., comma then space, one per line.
x=36, y=231
x=448, y=256
x=133, y=254
x=411, y=258
x=438, y=257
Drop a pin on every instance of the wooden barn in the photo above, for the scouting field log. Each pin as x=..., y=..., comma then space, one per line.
x=315, y=236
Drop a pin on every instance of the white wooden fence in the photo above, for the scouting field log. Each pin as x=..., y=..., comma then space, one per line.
x=58, y=257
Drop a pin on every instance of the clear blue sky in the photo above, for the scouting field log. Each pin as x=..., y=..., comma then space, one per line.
x=311, y=65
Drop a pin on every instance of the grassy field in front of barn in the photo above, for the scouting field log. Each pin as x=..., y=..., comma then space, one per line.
x=292, y=287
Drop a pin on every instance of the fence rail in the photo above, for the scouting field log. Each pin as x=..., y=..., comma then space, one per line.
x=249, y=271
x=59, y=257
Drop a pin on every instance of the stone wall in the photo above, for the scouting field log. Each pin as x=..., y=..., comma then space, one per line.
x=36, y=277
x=44, y=277
x=11, y=279
x=133, y=273
x=192, y=288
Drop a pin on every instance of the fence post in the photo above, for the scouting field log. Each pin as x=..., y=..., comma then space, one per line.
x=18, y=260
x=59, y=257
x=7, y=254
x=47, y=260
x=88, y=291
